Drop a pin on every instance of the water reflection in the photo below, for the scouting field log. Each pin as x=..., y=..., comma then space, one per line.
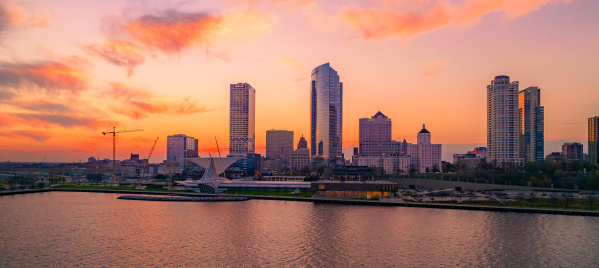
x=90, y=229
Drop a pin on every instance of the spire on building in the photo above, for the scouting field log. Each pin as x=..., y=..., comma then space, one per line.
x=423, y=129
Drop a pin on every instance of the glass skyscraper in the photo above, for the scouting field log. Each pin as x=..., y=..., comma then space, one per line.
x=179, y=147
x=593, y=140
x=326, y=114
x=532, y=125
x=242, y=120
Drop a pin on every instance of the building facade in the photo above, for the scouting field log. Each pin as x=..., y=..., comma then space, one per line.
x=242, y=120
x=425, y=156
x=532, y=125
x=374, y=135
x=179, y=147
x=300, y=159
x=573, y=151
x=326, y=114
x=279, y=145
x=503, y=122
x=593, y=142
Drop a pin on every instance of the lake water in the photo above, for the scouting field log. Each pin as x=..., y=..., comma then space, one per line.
x=65, y=229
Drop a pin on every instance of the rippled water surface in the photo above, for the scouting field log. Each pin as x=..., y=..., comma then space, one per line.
x=65, y=229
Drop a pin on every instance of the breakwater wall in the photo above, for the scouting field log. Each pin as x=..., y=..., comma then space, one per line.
x=384, y=202
x=183, y=198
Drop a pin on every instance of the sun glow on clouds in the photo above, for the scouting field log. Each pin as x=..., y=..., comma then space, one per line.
x=137, y=103
x=171, y=32
x=383, y=22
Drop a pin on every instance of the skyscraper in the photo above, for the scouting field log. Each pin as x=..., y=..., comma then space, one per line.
x=375, y=135
x=502, y=122
x=532, y=125
x=179, y=147
x=242, y=126
x=326, y=114
x=593, y=142
x=279, y=145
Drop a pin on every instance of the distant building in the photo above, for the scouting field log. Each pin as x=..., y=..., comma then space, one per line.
x=532, y=125
x=300, y=159
x=375, y=135
x=273, y=164
x=480, y=151
x=302, y=143
x=403, y=157
x=179, y=147
x=467, y=161
x=555, y=157
x=594, y=140
x=503, y=122
x=242, y=120
x=425, y=156
x=573, y=151
x=253, y=164
x=326, y=115
x=279, y=145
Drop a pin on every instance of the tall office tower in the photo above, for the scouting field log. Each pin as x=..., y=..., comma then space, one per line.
x=302, y=143
x=279, y=145
x=179, y=147
x=502, y=122
x=326, y=114
x=573, y=151
x=375, y=135
x=242, y=120
x=532, y=125
x=593, y=142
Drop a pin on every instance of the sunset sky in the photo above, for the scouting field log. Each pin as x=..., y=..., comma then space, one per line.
x=70, y=69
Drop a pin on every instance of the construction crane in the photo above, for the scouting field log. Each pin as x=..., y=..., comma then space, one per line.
x=143, y=166
x=114, y=132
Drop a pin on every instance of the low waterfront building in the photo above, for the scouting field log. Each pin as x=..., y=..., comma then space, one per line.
x=354, y=189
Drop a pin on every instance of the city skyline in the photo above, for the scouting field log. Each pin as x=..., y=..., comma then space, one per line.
x=70, y=73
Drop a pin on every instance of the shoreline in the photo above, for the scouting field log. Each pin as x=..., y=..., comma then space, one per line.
x=331, y=200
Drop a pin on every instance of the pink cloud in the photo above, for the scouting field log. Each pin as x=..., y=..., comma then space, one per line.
x=433, y=68
x=384, y=22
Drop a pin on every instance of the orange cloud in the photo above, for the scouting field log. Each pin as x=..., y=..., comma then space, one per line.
x=48, y=75
x=137, y=103
x=172, y=31
x=30, y=134
x=289, y=62
x=383, y=23
x=379, y=23
x=39, y=20
x=48, y=120
x=433, y=68
x=12, y=15
x=120, y=53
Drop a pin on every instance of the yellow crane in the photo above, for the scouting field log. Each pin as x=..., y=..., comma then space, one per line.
x=114, y=132
x=143, y=166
